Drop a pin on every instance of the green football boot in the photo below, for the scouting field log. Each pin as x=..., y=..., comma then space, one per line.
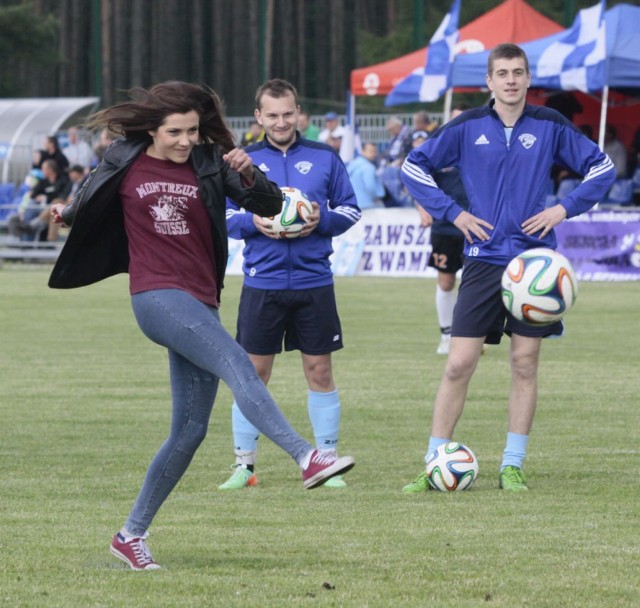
x=419, y=484
x=512, y=479
x=241, y=478
x=335, y=482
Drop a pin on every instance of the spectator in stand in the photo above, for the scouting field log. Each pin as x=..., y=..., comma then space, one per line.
x=105, y=138
x=616, y=151
x=28, y=207
x=422, y=122
x=399, y=146
x=78, y=151
x=50, y=151
x=77, y=175
x=331, y=123
x=364, y=177
x=400, y=143
x=253, y=135
x=307, y=129
x=566, y=103
x=54, y=186
x=335, y=139
x=418, y=138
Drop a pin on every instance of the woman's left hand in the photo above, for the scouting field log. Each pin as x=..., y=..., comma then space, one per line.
x=240, y=162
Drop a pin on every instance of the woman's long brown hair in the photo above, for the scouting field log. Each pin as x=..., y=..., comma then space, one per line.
x=148, y=108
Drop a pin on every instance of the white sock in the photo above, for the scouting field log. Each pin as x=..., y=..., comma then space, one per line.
x=445, y=302
x=304, y=463
x=126, y=535
x=245, y=457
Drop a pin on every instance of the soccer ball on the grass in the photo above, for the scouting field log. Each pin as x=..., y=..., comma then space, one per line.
x=453, y=467
x=296, y=207
x=539, y=286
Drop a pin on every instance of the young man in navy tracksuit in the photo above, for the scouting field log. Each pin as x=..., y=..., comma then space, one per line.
x=288, y=291
x=505, y=152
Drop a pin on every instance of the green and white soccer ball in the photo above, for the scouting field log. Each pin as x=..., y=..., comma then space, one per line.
x=539, y=286
x=452, y=468
x=296, y=207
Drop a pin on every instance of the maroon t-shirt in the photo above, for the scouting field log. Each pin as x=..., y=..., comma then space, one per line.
x=169, y=229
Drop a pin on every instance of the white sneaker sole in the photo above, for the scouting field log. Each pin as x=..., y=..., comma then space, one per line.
x=340, y=466
x=121, y=556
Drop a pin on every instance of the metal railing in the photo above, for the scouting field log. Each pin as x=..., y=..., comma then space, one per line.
x=16, y=162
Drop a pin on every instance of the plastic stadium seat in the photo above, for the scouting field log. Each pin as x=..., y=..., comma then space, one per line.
x=7, y=192
x=22, y=189
x=621, y=193
x=566, y=186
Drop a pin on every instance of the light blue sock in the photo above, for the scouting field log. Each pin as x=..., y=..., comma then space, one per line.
x=245, y=435
x=434, y=444
x=515, y=450
x=324, y=413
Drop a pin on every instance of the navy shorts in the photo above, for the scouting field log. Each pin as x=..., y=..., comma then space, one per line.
x=446, y=253
x=306, y=319
x=480, y=312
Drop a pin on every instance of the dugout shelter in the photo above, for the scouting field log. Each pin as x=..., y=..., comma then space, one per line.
x=24, y=123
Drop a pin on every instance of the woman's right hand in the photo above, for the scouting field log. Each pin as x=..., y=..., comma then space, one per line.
x=56, y=213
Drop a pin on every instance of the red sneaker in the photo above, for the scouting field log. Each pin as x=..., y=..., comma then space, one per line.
x=323, y=466
x=134, y=552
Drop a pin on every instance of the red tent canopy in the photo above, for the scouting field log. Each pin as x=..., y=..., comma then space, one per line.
x=622, y=112
x=511, y=21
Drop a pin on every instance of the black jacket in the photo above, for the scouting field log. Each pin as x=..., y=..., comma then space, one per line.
x=97, y=245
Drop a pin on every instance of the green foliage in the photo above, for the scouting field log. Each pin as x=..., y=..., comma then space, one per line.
x=26, y=35
x=29, y=40
x=85, y=403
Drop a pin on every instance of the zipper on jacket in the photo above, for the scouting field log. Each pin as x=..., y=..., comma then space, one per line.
x=508, y=179
x=288, y=243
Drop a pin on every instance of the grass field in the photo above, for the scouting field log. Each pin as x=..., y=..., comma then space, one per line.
x=84, y=400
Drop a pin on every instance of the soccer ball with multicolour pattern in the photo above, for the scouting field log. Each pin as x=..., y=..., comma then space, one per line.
x=453, y=467
x=296, y=207
x=539, y=286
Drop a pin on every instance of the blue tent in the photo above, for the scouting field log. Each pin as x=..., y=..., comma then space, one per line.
x=623, y=53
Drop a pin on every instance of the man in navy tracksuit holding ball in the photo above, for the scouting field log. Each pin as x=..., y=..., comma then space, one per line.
x=505, y=152
x=288, y=293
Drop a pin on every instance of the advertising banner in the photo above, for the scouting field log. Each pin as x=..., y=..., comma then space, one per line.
x=601, y=245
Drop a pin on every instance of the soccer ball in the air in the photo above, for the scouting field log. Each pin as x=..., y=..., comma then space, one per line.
x=539, y=286
x=453, y=467
x=296, y=207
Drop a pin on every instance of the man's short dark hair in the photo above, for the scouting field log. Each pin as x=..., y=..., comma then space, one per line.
x=52, y=164
x=506, y=50
x=277, y=87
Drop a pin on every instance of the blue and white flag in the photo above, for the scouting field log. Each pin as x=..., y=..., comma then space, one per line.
x=577, y=60
x=432, y=81
x=351, y=145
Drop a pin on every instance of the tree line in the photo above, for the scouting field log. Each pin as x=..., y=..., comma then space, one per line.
x=79, y=48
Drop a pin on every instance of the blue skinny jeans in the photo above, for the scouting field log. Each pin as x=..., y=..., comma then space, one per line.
x=201, y=352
